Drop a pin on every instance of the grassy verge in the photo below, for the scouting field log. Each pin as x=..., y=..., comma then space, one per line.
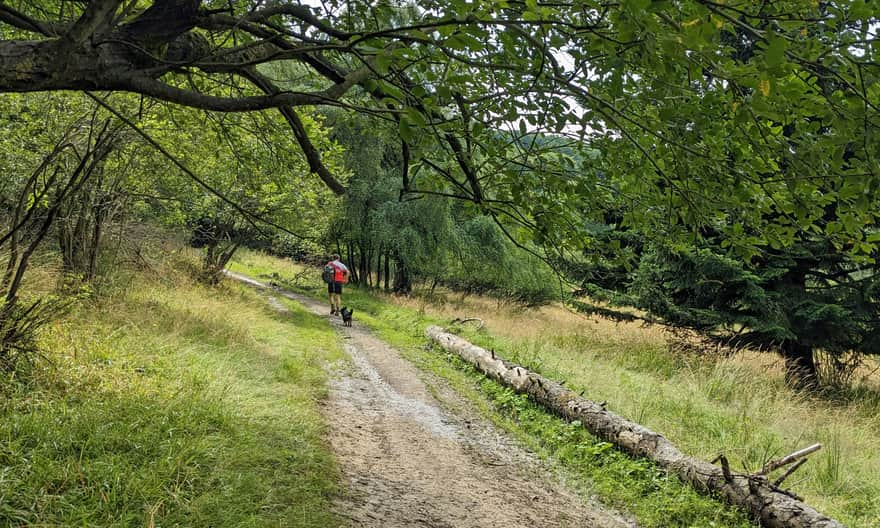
x=705, y=404
x=653, y=497
x=169, y=404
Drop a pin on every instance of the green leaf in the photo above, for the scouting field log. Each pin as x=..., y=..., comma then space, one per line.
x=463, y=41
x=415, y=117
x=444, y=92
x=774, y=53
x=383, y=61
x=404, y=129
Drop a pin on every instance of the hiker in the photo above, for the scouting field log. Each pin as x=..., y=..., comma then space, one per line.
x=335, y=275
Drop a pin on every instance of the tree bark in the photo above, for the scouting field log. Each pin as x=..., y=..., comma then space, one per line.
x=402, y=280
x=362, y=263
x=774, y=508
x=387, y=270
x=800, y=367
x=369, y=262
x=352, y=267
x=379, y=268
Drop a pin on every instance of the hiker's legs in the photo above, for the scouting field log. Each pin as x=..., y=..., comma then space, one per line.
x=331, y=295
x=335, y=290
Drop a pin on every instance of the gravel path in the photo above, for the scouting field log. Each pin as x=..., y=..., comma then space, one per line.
x=411, y=457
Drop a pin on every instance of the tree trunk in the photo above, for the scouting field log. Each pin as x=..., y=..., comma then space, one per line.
x=387, y=269
x=370, y=265
x=216, y=259
x=95, y=241
x=362, y=268
x=367, y=259
x=800, y=367
x=402, y=280
x=352, y=264
x=379, y=269
x=81, y=230
x=773, y=507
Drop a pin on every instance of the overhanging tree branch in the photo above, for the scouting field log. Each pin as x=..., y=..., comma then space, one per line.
x=97, y=16
x=299, y=131
x=22, y=21
x=173, y=159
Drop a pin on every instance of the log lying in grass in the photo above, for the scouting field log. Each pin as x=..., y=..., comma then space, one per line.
x=774, y=507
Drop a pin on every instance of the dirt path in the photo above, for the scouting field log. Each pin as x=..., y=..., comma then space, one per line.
x=411, y=457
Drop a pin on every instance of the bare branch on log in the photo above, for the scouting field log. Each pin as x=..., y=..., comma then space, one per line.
x=792, y=469
x=725, y=467
x=786, y=460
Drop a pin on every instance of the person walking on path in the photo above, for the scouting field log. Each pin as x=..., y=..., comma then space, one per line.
x=334, y=287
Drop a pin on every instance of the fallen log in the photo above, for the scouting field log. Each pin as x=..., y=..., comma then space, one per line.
x=775, y=508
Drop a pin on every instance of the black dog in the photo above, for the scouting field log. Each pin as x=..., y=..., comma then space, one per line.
x=346, y=315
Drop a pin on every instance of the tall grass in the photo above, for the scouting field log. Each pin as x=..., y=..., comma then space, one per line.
x=706, y=404
x=164, y=403
x=727, y=405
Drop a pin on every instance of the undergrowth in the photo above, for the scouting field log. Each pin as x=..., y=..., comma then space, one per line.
x=165, y=403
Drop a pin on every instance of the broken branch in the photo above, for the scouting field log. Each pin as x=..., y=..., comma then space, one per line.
x=786, y=460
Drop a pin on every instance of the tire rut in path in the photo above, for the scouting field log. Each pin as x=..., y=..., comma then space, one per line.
x=410, y=458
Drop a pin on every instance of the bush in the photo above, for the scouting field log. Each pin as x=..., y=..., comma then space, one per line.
x=20, y=324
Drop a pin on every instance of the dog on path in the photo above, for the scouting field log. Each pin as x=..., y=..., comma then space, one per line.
x=345, y=312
